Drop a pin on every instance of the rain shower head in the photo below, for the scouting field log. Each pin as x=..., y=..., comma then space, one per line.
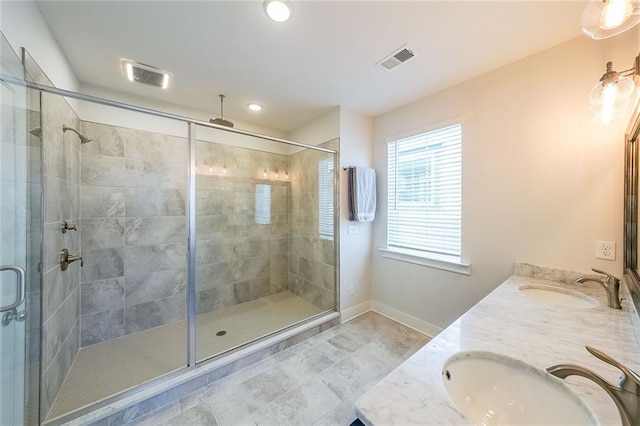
x=221, y=121
x=83, y=138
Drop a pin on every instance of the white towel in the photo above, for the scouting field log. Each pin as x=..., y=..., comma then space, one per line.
x=362, y=194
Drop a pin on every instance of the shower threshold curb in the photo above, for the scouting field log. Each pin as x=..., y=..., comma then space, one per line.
x=185, y=376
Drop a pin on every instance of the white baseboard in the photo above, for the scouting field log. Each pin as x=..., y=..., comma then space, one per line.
x=406, y=319
x=355, y=311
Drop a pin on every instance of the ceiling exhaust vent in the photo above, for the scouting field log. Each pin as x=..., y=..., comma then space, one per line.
x=398, y=57
x=146, y=74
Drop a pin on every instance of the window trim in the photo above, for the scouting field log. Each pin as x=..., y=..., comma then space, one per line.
x=431, y=260
x=418, y=257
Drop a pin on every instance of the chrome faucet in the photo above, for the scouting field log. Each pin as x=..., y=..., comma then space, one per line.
x=611, y=285
x=626, y=395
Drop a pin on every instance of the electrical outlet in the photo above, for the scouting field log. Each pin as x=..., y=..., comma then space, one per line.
x=606, y=250
x=351, y=290
x=353, y=229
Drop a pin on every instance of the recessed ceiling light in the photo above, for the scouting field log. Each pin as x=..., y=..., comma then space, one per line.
x=278, y=10
x=254, y=106
x=146, y=74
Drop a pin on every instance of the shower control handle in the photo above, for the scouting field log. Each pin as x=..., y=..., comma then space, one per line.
x=68, y=227
x=66, y=259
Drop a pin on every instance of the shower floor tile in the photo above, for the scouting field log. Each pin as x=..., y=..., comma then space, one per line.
x=104, y=369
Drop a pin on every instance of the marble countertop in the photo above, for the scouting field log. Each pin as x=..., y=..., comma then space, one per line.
x=510, y=323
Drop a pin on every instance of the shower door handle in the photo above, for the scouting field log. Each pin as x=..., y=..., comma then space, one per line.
x=20, y=285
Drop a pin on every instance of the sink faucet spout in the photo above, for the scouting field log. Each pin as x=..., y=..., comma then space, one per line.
x=610, y=284
x=626, y=395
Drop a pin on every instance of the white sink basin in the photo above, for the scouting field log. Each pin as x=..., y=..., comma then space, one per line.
x=558, y=296
x=492, y=389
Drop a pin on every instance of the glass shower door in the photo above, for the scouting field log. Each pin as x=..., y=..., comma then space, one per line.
x=19, y=198
x=264, y=245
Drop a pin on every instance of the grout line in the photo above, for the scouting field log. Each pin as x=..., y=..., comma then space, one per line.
x=62, y=346
x=62, y=303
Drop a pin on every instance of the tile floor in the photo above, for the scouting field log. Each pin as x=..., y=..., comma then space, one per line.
x=315, y=382
x=104, y=369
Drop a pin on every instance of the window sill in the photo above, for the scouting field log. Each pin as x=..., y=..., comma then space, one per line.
x=444, y=263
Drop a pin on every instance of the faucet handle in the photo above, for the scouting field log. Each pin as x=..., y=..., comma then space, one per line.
x=630, y=380
x=610, y=278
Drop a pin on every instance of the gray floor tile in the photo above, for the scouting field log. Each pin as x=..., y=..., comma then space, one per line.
x=343, y=414
x=314, y=382
x=299, y=407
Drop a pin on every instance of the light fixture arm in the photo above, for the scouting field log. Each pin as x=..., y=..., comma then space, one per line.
x=633, y=71
x=610, y=96
x=612, y=76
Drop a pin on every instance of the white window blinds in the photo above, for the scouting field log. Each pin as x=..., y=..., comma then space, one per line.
x=325, y=197
x=425, y=192
x=263, y=204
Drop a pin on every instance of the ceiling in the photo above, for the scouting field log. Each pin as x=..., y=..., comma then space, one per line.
x=323, y=57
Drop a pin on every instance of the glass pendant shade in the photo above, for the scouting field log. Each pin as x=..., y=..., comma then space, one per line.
x=609, y=99
x=607, y=18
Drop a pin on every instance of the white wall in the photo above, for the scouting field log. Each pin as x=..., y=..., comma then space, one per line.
x=319, y=130
x=542, y=180
x=23, y=26
x=356, y=149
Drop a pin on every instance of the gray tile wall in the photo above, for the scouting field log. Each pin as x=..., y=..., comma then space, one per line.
x=132, y=205
x=60, y=291
x=311, y=258
x=239, y=260
x=132, y=208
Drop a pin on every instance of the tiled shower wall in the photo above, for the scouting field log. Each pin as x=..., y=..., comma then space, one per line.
x=311, y=257
x=60, y=307
x=239, y=258
x=132, y=208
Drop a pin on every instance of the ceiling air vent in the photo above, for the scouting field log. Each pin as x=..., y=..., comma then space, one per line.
x=146, y=74
x=398, y=57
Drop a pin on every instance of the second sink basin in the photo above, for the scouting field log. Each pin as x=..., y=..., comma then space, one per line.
x=558, y=296
x=493, y=389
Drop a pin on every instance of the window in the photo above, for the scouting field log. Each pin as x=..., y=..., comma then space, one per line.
x=425, y=187
x=263, y=204
x=325, y=197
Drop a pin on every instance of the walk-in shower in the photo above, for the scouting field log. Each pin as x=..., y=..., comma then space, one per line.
x=196, y=240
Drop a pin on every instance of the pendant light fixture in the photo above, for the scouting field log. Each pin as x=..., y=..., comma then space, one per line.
x=611, y=95
x=607, y=18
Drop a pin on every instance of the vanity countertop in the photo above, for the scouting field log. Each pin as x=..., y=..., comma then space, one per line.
x=509, y=323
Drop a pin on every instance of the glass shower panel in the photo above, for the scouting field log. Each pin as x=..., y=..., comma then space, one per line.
x=247, y=285
x=312, y=224
x=20, y=245
x=127, y=192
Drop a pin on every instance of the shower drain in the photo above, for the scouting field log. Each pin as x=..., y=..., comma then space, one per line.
x=221, y=333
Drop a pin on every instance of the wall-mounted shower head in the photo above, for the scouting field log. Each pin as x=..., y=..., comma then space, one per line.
x=36, y=131
x=83, y=138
